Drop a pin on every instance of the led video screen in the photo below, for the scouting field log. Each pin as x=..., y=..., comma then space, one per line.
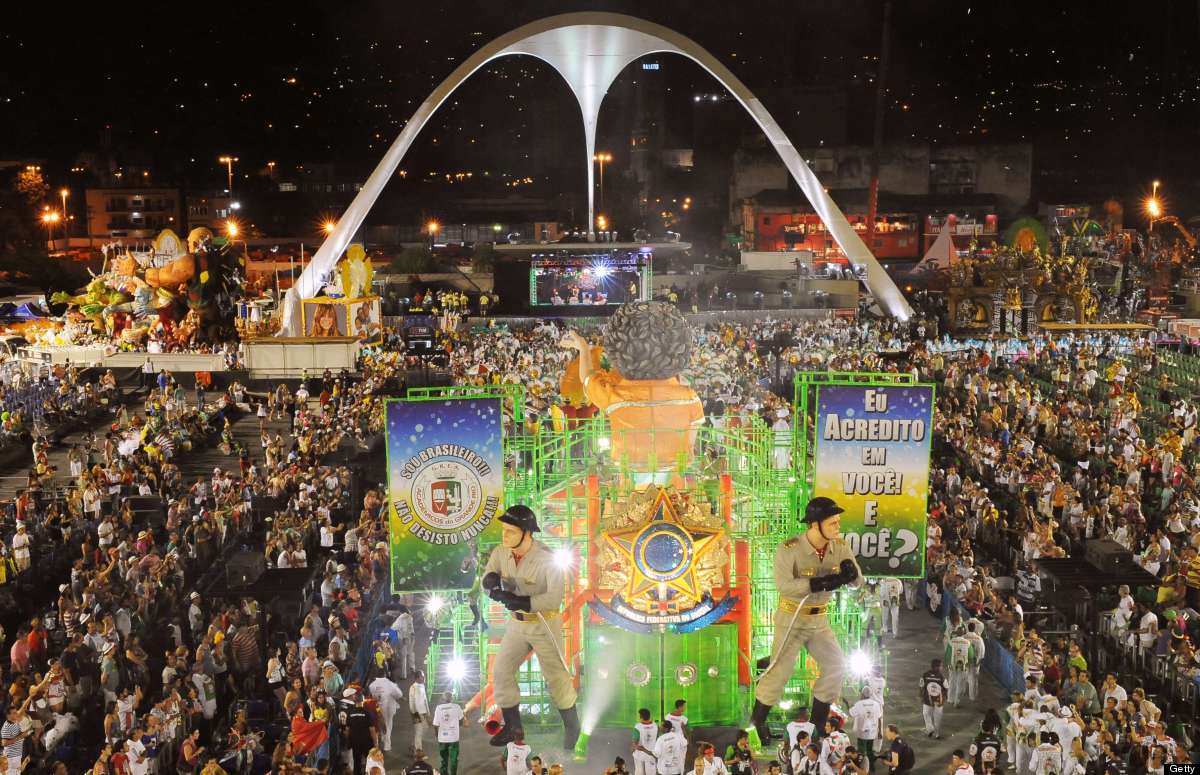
x=599, y=279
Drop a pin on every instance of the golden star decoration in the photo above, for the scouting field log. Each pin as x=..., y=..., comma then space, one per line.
x=644, y=581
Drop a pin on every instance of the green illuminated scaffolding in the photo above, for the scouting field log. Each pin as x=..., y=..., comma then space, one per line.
x=548, y=465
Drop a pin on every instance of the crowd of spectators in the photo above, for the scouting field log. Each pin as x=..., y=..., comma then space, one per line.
x=135, y=668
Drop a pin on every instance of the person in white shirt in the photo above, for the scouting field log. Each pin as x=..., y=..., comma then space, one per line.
x=890, y=590
x=669, y=750
x=800, y=724
x=678, y=718
x=1067, y=729
x=1047, y=758
x=975, y=636
x=389, y=696
x=1113, y=689
x=645, y=735
x=139, y=764
x=833, y=746
x=448, y=720
x=418, y=705
x=516, y=755
x=867, y=715
x=1147, y=629
x=713, y=764
x=21, y=544
x=406, y=641
x=959, y=764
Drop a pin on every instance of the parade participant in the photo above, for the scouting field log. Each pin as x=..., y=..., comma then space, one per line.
x=1012, y=725
x=810, y=764
x=713, y=764
x=797, y=726
x=933, y=699
x=958, y=764
x=422, y=767
x=890, y=590
x=418, y=706
x=960, y=655
x=678, y=718
x=1027, y=736
x=808, y=568
x=406, y=640
x=1068, y=727
x=645, y=733
x=522, y=576
x=974, y=630
x=669, y=750
x=388, y=695
x=516, y=753
x=833, y=746
x=448, y=720
x=1047, y=757
x=986, y=752
x=867, y=715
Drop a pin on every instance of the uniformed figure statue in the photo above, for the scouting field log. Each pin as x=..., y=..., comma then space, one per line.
x=522, y=576
x=808, y=568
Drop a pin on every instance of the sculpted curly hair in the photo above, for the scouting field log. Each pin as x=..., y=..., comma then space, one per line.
x=648, y=340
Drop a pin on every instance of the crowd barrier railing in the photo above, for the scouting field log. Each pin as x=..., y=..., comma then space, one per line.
x=998, y=660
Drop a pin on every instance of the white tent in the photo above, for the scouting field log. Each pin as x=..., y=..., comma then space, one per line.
x=941, y=253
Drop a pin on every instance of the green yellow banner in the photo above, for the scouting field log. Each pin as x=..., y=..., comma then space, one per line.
x=872, y=459
x=445, y=485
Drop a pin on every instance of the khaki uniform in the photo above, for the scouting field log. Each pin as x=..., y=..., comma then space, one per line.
x=535, y=575
x=796, y=562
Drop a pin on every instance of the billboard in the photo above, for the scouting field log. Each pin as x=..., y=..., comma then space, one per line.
x=445, y=483
x=872, y=458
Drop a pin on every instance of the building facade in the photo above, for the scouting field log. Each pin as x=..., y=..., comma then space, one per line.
x=137, y=213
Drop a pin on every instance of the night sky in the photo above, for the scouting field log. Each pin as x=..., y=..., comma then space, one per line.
x=1105, y=89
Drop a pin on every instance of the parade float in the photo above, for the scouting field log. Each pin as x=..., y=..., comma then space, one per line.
x=665, y=526
x=347, y=307
x=337, y=322
x=1014, y=289
x=179, y=292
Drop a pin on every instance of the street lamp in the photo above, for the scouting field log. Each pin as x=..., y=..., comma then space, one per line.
x=602, y=158
x=433, y=227
x=601, y=224
x=228, y=162
x=64, y=193
x=328, y=226
x=231, y=228
x=1154, y=206
x=49, y=218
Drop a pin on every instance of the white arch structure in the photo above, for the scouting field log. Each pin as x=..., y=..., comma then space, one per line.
x=589, y=50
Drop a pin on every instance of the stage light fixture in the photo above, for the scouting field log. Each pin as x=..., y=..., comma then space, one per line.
x=434, y=604
x=859, y=663
x=456, y=669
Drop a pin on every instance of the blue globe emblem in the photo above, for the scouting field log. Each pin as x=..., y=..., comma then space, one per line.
x=663, y=552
